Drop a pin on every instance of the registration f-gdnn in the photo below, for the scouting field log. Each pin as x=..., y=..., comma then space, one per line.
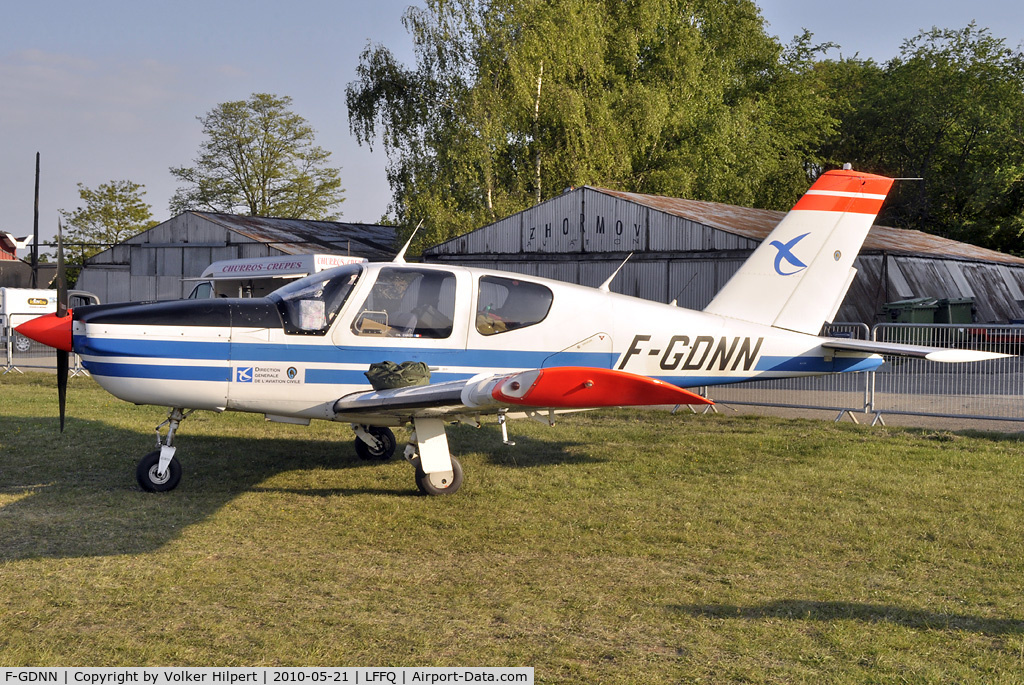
x=30, y=676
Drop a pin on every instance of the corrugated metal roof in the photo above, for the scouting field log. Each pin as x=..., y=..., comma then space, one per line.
x=298, y=236
x=758, y=223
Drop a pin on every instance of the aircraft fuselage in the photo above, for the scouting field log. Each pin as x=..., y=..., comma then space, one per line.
x=293, y=354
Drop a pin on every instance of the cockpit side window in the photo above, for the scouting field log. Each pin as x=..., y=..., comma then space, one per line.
x=506, y=304
x=309, y=305
x=408, y=303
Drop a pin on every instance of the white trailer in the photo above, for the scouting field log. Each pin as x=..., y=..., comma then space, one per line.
x=260, y=276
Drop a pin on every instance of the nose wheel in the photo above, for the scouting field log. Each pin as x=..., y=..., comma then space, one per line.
x=151, y=479
x=159, y=471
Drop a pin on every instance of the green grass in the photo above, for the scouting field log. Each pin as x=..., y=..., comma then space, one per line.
x=621, y=546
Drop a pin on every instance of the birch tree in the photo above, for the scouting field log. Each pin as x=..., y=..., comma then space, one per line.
x=509, y=102
x=259, y=158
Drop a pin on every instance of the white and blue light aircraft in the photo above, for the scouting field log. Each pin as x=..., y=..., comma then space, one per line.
x=497, y=343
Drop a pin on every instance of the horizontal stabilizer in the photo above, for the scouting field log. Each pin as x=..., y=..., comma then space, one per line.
x=934, y=354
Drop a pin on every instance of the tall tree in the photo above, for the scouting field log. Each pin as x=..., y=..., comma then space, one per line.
x=950, y=110
x=259, y=158
x=112, y=213
x=511, y=101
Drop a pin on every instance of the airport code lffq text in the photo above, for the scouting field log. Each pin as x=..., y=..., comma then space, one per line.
x=264, y=676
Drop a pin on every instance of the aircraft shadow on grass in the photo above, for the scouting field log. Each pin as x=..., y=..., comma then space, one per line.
x=526, y=452
x=58, y=502
x=804, y=610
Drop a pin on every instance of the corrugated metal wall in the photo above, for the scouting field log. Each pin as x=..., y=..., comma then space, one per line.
x=610, y=224
x=154, y=264
x=582, y=236
x=586, y=221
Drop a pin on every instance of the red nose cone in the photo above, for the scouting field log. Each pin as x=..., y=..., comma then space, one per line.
x=49, y=329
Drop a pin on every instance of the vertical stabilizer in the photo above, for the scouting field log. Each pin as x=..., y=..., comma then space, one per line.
x=799, y=275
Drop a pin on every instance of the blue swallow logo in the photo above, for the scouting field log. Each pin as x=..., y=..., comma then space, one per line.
x=243, y=374
x=786, y=252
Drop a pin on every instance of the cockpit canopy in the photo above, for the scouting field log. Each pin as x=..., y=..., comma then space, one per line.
x=409, y=302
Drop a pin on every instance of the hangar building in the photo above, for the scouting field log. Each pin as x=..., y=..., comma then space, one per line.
x=153, y=264
x=686, y=250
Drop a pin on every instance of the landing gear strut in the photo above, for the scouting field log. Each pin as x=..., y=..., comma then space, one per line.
x=374, y=443
x=159, y=471
x=437, y=471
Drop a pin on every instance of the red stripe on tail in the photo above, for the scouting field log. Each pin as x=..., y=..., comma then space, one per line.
x=839, y=203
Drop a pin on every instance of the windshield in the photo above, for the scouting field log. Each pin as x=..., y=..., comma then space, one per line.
x=309, y=305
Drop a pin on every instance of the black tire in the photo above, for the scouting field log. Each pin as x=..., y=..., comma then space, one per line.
x=388, y=444
x=433, y=484
x=146, y=473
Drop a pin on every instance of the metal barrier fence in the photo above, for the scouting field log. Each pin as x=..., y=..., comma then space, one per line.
x=991, y=390
x=843, y=392
x=980, y=390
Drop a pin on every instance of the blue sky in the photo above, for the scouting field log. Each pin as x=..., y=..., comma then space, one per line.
x=110, y=90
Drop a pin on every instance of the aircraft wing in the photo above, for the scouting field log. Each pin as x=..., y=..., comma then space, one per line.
x=935, y=354
x=563, y=387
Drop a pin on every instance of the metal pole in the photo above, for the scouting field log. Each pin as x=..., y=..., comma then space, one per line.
x=35, y=232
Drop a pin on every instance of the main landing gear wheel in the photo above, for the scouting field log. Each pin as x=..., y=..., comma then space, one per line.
x=385, y=451
x=438, y=483
x=152, y=481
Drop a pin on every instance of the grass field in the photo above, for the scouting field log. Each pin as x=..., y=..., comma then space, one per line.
x=619, y=546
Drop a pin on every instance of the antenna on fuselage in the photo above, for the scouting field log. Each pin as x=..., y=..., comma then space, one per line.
x=400, y=257
x=675, y=300
x=606, y=286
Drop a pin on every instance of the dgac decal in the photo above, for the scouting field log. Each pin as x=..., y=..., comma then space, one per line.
x=704, y=353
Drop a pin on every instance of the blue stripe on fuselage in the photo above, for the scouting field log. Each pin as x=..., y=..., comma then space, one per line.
x=171, y=372
x=356, y=377
x=306, y=353
x=787, y=365
x=816, y=364
x=141, y=347
x=222, y=374
x=234, y=354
